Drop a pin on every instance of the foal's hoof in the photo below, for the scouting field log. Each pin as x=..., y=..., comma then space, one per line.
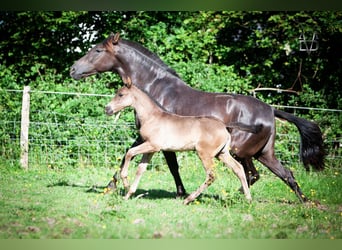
x=189, y=199
x=186, y=202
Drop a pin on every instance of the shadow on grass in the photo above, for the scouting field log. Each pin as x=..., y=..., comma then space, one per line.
x=155, y=194
x=150, y=194
x=89, y=189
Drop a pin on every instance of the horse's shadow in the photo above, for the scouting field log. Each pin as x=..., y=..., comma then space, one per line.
x=156, y=194
x=88, y=188
x=148, y=194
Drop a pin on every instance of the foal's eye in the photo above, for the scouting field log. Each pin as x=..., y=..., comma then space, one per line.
x=120, y=95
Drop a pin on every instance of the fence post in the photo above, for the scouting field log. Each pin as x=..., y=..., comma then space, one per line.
x=24, y=129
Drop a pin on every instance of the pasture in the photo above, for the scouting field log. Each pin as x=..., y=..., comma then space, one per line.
x=68, y=203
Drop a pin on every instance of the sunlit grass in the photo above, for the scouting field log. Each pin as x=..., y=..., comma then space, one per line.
x=70, y=203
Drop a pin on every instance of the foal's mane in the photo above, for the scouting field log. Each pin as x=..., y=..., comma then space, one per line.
x=152, y=99
x=148, y=55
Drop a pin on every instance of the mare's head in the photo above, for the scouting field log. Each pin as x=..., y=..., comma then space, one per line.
x=123, y=98
x=99, y=59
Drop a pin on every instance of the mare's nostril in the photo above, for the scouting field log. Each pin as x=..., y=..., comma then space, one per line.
x=72, y=70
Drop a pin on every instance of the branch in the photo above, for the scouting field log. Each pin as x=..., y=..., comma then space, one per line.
x=275, y=89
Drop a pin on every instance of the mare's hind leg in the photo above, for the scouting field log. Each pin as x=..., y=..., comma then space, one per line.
x=251, y=173
x=269, y=160
x=141, y=169
x=171, y=161
x=238, y=170
x=208, y=164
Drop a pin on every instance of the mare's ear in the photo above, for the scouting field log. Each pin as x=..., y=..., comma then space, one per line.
x=115, y=38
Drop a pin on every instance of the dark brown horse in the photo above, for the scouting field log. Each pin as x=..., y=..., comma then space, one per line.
x=132, y=61
x=162, y=130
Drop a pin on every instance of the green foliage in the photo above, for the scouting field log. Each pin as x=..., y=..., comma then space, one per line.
x=213, y=51
x=212, y=77
x=262, y=46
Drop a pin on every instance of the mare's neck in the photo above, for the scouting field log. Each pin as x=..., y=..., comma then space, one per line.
x=147, y=72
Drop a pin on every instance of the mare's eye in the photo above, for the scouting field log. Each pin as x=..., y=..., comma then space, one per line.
x=120, y=95
x=98, y=50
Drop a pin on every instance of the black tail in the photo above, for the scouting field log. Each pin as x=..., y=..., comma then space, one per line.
x=242, y=126
x=311, y=144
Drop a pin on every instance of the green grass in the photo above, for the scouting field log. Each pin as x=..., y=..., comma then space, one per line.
x=69, y=203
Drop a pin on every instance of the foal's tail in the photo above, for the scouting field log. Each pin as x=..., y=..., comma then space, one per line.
x=244, y=127
x=311, y=144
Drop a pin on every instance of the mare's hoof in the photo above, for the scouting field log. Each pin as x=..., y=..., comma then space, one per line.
x=181, y=196
x=316, y=204
x=181, y=193
x=111, y=187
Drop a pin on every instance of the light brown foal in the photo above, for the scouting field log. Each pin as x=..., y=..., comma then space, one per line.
x=165, y=131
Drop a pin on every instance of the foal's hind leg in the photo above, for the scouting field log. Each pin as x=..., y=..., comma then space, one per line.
x=208, y=164
x=238, y=170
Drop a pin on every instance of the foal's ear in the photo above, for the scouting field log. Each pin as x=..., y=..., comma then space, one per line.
x=128, y=82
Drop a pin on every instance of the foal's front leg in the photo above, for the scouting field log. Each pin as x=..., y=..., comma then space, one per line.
x=141, y=169
x=143, y=148
x=112, y=184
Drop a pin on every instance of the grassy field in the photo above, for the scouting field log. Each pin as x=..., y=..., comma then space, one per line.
x=49, y=203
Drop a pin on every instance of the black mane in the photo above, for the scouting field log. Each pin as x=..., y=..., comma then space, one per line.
x=150, y=55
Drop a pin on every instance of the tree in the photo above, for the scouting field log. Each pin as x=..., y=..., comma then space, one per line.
x=264, y=46
x=261, y=48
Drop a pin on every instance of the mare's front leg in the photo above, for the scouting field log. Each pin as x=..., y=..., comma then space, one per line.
x=172, y=163
x=112, y=184
x=141, y=169
x=143, y=148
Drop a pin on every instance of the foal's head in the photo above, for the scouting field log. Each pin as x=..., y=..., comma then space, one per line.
x=121, y=100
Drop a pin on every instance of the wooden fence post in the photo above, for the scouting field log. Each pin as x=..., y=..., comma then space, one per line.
x=24, y=129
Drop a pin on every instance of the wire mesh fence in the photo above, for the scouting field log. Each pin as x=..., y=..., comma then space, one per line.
x=60, y=139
